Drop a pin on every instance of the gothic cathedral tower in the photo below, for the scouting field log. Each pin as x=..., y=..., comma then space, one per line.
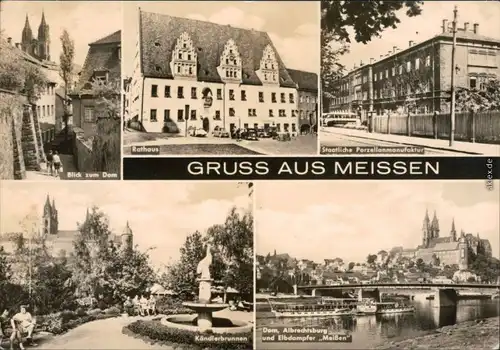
x=43, y=40
x=463, y=262
x=27, y=38
x=434, y=227
x=426, y=230
x=50, y=218
x=453, y=232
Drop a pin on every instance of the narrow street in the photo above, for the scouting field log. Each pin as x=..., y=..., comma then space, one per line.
x=68, y=165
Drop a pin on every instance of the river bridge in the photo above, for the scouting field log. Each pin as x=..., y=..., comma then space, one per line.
x=445, y=294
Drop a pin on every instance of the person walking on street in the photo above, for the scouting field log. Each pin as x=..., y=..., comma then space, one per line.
x=50, y=162
x=57, y=163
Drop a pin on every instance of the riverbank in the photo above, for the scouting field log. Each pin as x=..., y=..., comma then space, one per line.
x=478, y=334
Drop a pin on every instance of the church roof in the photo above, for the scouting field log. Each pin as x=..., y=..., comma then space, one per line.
x=209, y=40
x=440, y=240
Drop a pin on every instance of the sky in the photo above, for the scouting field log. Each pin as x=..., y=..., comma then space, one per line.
x=160, y=214
x=427, y=25
x=85, y=21
x=292, y=26
x=351, y=219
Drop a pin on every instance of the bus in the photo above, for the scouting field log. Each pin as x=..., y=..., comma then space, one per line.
x=340, y=118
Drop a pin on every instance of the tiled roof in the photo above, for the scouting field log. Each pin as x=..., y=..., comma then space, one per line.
x=113, y=38
x=101, y=57
x=439, y=240
x=470, y=36
x=209, y=40
x=306, y=81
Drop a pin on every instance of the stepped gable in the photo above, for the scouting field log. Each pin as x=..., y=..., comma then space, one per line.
x=159, y=33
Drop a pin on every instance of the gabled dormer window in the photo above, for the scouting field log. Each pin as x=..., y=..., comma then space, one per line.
x=268, y=72
x=229, y=68
x=100, y=75
x=184, y=57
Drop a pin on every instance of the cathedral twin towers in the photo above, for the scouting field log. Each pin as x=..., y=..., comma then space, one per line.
x=39, y=47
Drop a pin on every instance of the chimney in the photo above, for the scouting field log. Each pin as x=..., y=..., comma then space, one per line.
x=410, y=43
x=381, y=56
x=389, y=53
x=18, y=45
x=394, y=49
x=466, y=26
x=372, y=60
x=9, y=40
x=445, y=26
x=361, y=64
x=476, y=28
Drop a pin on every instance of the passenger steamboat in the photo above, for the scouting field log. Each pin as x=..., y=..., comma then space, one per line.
x=312, y=310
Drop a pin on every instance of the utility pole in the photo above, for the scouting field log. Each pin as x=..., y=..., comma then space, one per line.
x=453, y=50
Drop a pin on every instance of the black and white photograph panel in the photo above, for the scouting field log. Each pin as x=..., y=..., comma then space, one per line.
x=410, y=78
x=100, y=265
x=232, y=78
x=60, y=90
x=377, y=265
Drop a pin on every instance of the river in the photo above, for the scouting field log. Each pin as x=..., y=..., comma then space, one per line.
x=372, y=330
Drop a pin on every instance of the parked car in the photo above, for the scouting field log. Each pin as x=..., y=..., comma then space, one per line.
x=263, y=133
x=223, y=133
x=198, y=132
x=250, y=134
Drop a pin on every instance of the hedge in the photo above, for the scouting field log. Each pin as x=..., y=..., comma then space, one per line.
x=156, y=333
x=61, y=322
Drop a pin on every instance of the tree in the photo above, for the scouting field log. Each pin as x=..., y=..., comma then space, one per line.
x=181, y=276
x=106, y=144
x=484, y=97
x=367, y=19
x=371, y=258
x=233, y=243
x=351, y=265
x=66, y=70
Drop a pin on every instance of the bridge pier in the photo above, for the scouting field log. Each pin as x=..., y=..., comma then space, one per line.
x=445, y=298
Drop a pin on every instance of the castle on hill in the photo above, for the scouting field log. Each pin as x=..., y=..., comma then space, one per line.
x=60, y=242
x=451, y=249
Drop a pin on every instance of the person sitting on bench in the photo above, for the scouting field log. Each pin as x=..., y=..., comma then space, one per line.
x=22, y=322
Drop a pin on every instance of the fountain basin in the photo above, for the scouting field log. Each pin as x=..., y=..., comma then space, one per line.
x=219, y=325
x=200, y=307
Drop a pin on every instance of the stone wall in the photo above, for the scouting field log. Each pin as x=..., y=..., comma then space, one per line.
x=11, y=154
x=81, y=151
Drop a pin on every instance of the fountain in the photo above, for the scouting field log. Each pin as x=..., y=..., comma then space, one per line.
x=204, y=321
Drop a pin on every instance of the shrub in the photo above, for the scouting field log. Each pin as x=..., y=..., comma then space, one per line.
x=81, y=312
x=61, y=322
x=101, y=305
x=171, y=306
x=112, y=311
x=106, y=146
x=68, y=315
x=156, y=332
x=94, y=312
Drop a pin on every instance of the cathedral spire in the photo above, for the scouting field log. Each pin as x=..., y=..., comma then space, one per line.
x=435, y=226
x=453, y=232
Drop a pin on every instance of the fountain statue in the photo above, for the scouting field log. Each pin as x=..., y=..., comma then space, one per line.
x=204, y=321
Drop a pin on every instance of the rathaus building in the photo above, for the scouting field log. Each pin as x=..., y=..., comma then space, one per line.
x=196, y=74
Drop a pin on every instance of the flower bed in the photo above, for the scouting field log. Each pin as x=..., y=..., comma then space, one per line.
x=156, y=333
x=61, y=322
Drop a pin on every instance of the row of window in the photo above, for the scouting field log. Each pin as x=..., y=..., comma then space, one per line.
x=89, y=115
x=49, y=90
x=232, y=96
x=398, y=70
x=153, y=115
x=45, y=111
